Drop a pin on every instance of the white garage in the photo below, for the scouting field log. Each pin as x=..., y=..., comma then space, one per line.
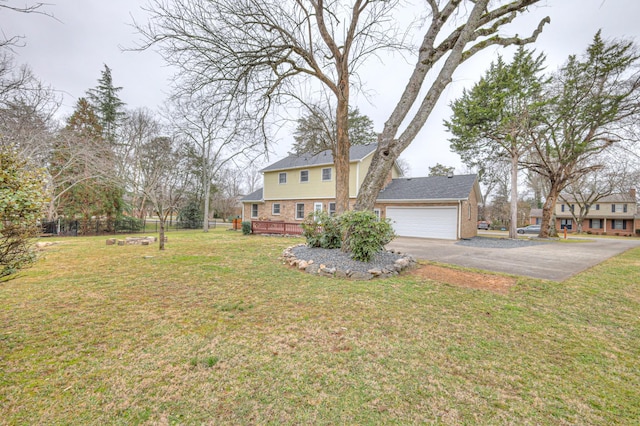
x=424, y=222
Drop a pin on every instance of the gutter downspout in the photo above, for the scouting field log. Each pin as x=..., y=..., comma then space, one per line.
x=459, y=219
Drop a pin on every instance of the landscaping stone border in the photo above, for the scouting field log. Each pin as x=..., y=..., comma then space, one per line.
x=405, y=261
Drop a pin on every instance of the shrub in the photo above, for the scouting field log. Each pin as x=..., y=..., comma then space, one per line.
x=22, y=198
x=365, y=234
x=246, y=228
x=190, y=216
x=322, y=230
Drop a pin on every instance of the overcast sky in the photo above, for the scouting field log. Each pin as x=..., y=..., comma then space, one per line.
x=69, y=52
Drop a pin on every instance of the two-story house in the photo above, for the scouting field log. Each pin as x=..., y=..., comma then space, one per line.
x=616, y=214
x=429, y=207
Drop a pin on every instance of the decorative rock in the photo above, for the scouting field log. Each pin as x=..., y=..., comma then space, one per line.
x=120, y=242
x=111, y=241
x=361, y=276
x=310, y=267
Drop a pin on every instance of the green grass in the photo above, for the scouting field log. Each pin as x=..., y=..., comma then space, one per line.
x=215, y=330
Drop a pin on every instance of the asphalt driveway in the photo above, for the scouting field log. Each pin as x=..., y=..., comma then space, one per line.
x=554, y=261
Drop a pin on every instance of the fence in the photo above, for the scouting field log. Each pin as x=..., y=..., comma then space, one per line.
x=69, y=227
x=282, y=228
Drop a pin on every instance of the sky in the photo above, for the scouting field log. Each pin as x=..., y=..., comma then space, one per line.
x=69, y=53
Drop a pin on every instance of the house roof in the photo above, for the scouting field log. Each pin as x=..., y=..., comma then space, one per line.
x=294, y=161
x=430, y=188
x=254, y=196
x=457, y=187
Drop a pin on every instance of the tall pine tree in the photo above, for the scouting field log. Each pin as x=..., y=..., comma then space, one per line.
x=107, y=104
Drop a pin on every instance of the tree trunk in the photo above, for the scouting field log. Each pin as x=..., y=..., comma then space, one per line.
x=207, y=194
x=513, y=226
x=380, y=167
x=341, y=155
x=548, y=209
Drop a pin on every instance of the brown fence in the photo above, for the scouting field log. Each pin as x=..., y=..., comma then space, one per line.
x=282, y=228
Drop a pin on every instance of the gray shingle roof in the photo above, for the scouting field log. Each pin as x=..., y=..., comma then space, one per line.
x=457, y=187
x=293, y=161
x=254, y=196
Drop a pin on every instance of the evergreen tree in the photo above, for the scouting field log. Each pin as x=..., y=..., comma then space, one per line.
x=107, y=105
x=316, y=132
x=83, y=165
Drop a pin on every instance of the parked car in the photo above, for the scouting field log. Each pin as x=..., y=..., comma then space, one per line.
x=531, y=229
x=483, y=224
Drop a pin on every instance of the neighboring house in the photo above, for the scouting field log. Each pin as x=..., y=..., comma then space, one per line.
x=428, y=207
x=535, y=217
x=615, y=214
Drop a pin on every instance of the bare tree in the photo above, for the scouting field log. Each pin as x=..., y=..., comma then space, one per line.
x=261, y=53
x=448, y=48
x=217, y=136
x=614, y=173
x=27, y=108
x=139, y=128
x=228, y=183
x=23, y=7
x=165, y=178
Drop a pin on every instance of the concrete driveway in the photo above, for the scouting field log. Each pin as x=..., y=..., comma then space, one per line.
x=552, y=261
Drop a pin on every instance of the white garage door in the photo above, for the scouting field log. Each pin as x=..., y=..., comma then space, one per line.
x=424, y=222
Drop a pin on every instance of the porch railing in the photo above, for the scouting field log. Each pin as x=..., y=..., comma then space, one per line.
x=281, y=228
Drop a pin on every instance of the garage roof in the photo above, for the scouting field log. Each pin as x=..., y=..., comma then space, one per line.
x=457, y=187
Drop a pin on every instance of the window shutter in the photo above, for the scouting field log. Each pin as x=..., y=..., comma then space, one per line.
x=613, y=208
x=562, y=208
x=624, y=208
x=624, y=224
x=590, y=223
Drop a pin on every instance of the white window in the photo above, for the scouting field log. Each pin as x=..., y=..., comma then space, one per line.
x=326, y=174
x=377, y=213
x=317, y=207
x=304, y=175
x=332, y=209
x=282, y=178
x=596, y=223
x=300, y=211
x=275, y=209
x=254, y=211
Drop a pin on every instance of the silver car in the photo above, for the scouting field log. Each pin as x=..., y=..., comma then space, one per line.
x=531, y=229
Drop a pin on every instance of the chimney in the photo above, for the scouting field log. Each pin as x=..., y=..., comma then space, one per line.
x=632, y=193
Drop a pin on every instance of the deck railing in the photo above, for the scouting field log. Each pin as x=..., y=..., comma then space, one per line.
x=281, y=228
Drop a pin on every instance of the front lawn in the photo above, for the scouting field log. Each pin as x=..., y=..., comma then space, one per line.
x=215, y=330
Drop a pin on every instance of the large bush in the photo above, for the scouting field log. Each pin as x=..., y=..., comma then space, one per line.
x=365, y=235
x=190, y=216
x=361, y=233
x=322, y=230
x=21, y=205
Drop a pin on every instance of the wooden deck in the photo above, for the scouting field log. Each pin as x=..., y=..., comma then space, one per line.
x=280, y=228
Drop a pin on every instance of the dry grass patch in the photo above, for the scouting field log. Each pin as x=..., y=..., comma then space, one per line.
x=476, y=280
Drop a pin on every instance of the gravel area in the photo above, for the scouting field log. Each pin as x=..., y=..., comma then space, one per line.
x=338, y=259
x=506, y=243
